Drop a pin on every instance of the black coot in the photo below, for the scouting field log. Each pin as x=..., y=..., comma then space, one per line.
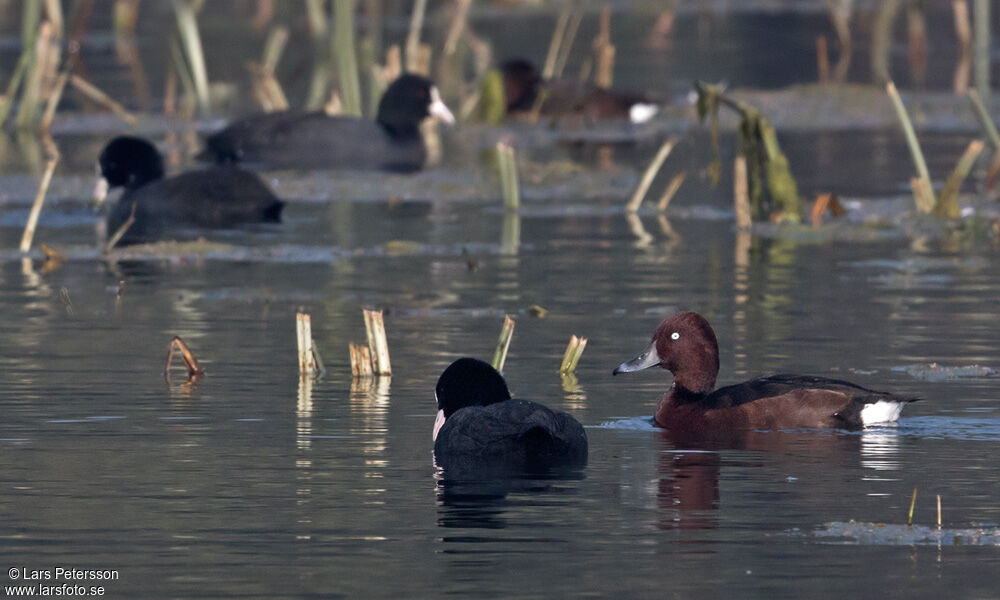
x=303, y=140
x=217, y=197
x=480, y=427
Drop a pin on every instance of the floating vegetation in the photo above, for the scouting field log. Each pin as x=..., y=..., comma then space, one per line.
x=936, y=372
x=888, y=534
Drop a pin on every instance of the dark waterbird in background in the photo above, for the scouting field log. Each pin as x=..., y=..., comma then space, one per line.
x=563, y=99
x=685, y=345
x=480, y=428
x=302, y=140
x=216, y=197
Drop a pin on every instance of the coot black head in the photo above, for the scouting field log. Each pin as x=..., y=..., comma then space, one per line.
x=130, y=162
x=469, y=382
x=408, y=101
x=521, y=82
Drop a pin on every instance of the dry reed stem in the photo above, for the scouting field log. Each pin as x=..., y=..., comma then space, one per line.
x=604, y=52
x=913, y=503
x=361, y=360
x=963, y=31
x=31, y=92
x=571, y=358
x=548, y=68
x=567, y=43
x=53, y=103
x=741, y=194
x=345, y=55
x=303, y=335
x=984, y=118
x=459, y=22
x=36, y=207
x=194, y=369
x=89, y=90
x=121, y=230
x=509, y=187
x=915, y=153
x=503, y=343
x=822, y=60
x=187, y=25
x=377, y=343
x=672, y=187
x=413, y=35
x=939, y=511
x=649, y=175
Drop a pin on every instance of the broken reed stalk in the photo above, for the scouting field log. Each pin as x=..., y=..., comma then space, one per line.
x=604, y=52
x=361, y=360
x=7, y=100
x=274, y=48
x=571, y=358
x=924, y=191
x=672, y=187
x=555, y=44
x=187, y=25
x=946, y=206
x=344, y=53
x=981, y=46
x=822, y=60
x=503, y=343
x=649, y=175
x=40, y=62
x=120, y=232
x=939, y=511
x=509, y=187
x=36, y=207
x=459, y=22
x=89, y=90
x=567, y=43
x=984, y=118
x=741, y=194
x=310, y=362
x=67, y=301
x=413, y=36
x=963, y=31
x=375, y=329
x=53, y=103
x=194, y=369
x=913, y=503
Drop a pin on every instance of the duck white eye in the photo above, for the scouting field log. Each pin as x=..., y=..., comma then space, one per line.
x=675, y=336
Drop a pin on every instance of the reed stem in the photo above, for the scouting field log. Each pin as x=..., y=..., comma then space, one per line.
x=89, y=90
x=375, y=329
x=672, y=187
x=741, y=194
x=194, y=369
x=413, y=36
x=345, y=54
x=509, y=186
x=913, y=503
x=187, y=25
x=36, y=207
x=649, y=175
x=309, y=362
x=984, y=118
x=503, y=344
x=571, y=358
x=915, y=153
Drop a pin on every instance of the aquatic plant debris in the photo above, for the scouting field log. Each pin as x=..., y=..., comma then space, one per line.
x=888, y=534
x=936, y=372
x=774, y=192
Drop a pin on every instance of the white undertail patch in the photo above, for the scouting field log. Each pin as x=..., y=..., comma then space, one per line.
x=880, y=412
x=640, y=112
